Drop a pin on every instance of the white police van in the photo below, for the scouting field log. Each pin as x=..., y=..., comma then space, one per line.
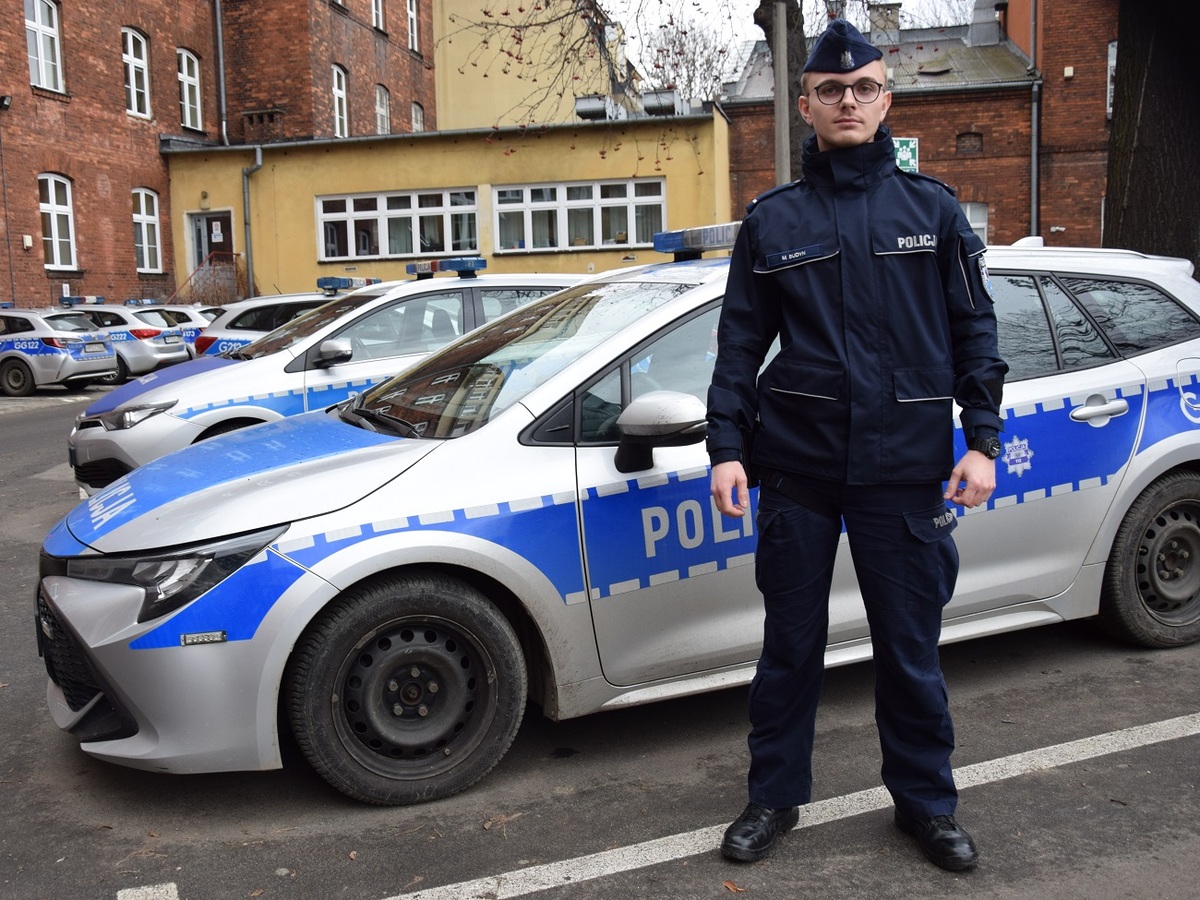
x=349, y=343
x=526, y=513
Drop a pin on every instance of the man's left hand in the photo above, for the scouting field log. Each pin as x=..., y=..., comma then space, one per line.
x=972, y=481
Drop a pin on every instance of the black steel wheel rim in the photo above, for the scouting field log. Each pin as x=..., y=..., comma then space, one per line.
x=415, y=699
x=1168, y=565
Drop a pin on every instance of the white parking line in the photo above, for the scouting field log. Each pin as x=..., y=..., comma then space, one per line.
x=522, y=882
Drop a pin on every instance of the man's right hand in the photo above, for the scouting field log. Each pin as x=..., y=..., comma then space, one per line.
x=729, y=488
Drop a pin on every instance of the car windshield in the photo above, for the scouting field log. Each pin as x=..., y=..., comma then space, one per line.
x=310, y=322
x=461, y=387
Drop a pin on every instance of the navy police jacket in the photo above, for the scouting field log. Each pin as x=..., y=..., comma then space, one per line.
x=875, y=285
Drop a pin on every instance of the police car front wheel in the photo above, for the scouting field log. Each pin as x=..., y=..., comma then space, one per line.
x=408, y=688
x=1151, y=593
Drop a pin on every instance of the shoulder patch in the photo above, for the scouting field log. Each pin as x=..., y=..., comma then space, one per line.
x=929, y=178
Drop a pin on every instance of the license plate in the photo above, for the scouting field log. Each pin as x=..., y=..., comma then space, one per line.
x=171, y=339
x=93, y=347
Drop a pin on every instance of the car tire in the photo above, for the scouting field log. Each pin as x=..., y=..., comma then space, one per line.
x=408, y=688
x=1151, y=592
x=118, y=377
x=16, y=378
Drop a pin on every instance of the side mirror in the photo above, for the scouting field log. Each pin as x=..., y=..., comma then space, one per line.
x=658, y=419
x=333, y=351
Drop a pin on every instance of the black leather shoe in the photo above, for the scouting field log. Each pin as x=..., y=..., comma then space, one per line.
x=943, y=841
x=753, y=833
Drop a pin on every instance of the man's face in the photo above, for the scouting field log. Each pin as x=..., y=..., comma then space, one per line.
x=849, y=121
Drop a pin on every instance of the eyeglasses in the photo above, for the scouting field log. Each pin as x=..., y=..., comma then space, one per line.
x=831, y=93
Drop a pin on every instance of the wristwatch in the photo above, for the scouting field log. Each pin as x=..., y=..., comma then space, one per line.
x=988, y=446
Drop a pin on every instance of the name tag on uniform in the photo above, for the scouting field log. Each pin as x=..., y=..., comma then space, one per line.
x=792, y=257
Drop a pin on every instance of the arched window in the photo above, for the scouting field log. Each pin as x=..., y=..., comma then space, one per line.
x=383, y=110
x=135, y=54
x=190, y=106
x=341, y=112
x=44, y=44
x=58, y=221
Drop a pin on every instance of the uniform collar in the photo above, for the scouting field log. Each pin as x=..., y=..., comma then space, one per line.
x=851, y=168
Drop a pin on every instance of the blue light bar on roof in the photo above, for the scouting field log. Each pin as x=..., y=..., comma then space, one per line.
x=87, y=299
x=343, y=283
x=7, y=304
x=465, y=266
x=691, y=242
x=145, y=301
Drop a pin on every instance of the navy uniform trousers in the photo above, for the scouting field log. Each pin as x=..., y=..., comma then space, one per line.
x=906, y=564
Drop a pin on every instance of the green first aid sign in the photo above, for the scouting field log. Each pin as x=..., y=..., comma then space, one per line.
x=906, y=153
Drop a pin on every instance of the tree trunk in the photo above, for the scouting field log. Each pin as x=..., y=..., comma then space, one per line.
x=1152, y=202
x=797, y=56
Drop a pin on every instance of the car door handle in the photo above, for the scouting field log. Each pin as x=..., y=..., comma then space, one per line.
x=1097, y=406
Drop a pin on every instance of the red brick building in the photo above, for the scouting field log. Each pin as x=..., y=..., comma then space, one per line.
x=84, y=201
x=1024, y=144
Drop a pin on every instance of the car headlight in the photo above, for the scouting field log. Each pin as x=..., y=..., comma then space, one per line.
x=127, y=416
x=174, y=578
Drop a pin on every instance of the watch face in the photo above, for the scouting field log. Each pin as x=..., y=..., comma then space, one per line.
x=989, y=447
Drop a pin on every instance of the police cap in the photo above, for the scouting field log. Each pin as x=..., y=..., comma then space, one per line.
x=841, y=48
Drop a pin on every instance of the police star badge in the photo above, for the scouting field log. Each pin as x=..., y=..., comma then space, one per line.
x=847, y=61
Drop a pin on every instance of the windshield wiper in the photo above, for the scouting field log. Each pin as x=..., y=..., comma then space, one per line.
x=374, y=418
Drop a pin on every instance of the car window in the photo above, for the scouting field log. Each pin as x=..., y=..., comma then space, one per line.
x=155, y=318
x=498, y=301
x=15, y=325
x=107, y=319
x=679, y=360
x=72, y=322
x=1026, y=342
x=1079, y=342
x=1136, y=317
x=417, y=325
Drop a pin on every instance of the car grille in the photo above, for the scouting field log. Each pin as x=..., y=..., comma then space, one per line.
x=101, y=472
x=68, y=667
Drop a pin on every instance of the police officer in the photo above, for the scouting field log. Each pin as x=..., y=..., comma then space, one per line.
x=875, y=286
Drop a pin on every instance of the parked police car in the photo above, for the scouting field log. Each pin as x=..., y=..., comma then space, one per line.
x=317, y=359
x=244, y=321
x=144, y=339
x=36, y=351
x=527, y=512
x=192, y=320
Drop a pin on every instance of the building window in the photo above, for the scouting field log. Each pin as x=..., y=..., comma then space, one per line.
x=58, y=222
x=396, y=224
x=145, y=231
x=1112, y=74
x=42, y=43
x=377, y=14
x=383, y=110
x=341, y=114
x=189, y=89
x=135, y=54
x=418, y=117
x=977, y=218
x=583, y=215
x=414, y=40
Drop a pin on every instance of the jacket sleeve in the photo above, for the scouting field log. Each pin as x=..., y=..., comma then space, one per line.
x=978, y=369
x=749, y=323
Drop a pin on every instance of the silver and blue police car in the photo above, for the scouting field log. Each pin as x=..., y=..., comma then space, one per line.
x=144, y=339
x=244, y=321
x=344, y=346
x=525, y=514
x=38, y=351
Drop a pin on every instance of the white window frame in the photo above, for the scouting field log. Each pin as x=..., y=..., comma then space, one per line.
x=383, y=110
x=418, y=117
x=1112, y=75
x=391, y=224
x=58, y=221
x=147, y=248
x=191, y=103
x=414, y=26
x=135, y=56
x=977, y=218
x=341, y=111
x=578, y=215
x=377, y=20
x=43, y=45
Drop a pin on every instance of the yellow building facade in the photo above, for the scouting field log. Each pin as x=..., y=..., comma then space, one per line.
x=571, y=198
